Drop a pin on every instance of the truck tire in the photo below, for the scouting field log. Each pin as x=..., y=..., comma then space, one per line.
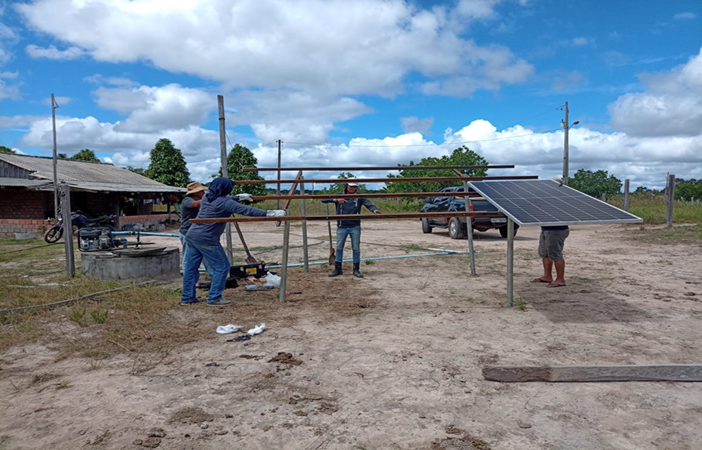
x=503, y=231
x=426, y=228
x=456, y=230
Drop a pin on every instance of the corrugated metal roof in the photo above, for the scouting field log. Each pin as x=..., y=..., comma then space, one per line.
x=88, y=175
x=116, y=187
x=23, y=182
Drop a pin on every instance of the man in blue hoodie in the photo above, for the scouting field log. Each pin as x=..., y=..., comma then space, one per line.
x=350, y=228
x=203, y=240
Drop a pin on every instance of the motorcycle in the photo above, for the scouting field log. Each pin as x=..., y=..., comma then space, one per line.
x=78, y=221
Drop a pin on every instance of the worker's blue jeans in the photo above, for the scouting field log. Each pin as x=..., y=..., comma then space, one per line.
x=185, y=247
x=355, y=233
x=217, y=263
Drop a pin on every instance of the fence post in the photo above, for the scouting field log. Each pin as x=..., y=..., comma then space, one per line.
x=626, y=195
x=67, y=229
x=670, y=197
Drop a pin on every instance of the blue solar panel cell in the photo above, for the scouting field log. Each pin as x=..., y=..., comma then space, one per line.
x=546, y=202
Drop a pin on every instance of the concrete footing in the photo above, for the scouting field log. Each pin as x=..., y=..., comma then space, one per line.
x=161, y=264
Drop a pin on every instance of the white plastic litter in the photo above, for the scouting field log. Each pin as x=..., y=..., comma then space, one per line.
x=226, y=329
x=258, y=329
x=272, y=279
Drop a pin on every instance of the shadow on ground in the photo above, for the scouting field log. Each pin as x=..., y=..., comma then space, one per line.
x=573, y=304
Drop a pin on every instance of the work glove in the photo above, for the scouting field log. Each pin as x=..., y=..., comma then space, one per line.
x=244, y=197
x=275, y=213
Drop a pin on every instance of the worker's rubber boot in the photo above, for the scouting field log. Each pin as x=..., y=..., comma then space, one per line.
x=337, y=270
x=357, y=271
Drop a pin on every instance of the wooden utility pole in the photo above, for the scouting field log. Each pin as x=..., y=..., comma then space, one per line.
x=626, y=195
x=67, y=229
x=670, y=198
x=277, y=191
x=56, y=186
x=554, y=374
x=225, y=169
x=565, y=146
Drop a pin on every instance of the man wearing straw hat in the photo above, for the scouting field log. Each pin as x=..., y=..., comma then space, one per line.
x=189, y=208
x=350, y=228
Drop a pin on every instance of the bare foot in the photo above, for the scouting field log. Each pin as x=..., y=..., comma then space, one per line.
x=541, y=280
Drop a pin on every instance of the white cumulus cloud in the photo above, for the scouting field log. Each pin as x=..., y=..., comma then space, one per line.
x=52, y=52
x=151, y=109
x=414, y=124
x=335, y=47
x=670, y=106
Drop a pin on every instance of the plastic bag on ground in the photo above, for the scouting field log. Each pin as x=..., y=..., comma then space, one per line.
x=258, y=329
x=273, y=280
x=226, y=329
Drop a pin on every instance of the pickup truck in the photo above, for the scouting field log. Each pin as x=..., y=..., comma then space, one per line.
x=457, y=225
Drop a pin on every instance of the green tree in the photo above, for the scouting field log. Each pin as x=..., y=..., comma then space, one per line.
x=85, y=155
x=4, y=149
x=685, y=190
x=138, y=170
x=462, y=156
x=62, y=156
x=339, y=187
x=240, y=158
x=168, y=165
x=595, y=183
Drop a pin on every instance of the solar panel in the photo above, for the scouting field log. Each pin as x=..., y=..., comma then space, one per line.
x=547, y=202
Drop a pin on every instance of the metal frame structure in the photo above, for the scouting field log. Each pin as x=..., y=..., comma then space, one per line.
x=460, y=178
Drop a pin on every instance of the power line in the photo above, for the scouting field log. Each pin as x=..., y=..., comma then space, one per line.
x=432, y=145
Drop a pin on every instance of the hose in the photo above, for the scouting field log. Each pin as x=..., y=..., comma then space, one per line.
x=72, y=300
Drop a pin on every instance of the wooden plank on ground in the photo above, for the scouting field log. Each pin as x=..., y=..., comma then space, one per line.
x=651, y=372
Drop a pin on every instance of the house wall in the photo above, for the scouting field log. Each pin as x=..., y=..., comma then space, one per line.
x=27, y=211
x=8, y=227
x=25, y=204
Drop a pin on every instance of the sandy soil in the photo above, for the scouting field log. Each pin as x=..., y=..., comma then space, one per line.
x=393, y=361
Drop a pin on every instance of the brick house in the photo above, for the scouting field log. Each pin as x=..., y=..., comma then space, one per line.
x=27, y=192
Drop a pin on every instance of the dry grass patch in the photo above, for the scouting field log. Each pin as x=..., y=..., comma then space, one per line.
x=147, y=323
x=691, y=233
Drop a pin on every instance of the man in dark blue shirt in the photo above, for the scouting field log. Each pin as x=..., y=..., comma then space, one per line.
x=349, y=228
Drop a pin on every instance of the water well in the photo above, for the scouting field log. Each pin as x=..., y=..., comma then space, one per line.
x=130, y=264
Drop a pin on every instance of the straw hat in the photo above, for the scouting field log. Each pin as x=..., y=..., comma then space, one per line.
x=195, y=187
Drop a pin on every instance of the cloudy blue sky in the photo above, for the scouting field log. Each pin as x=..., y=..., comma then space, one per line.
x=362, y=82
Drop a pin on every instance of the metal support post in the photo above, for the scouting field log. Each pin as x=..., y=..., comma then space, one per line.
x=469, y=230
x=284, y=267
x=626, y=195
x=510, y=262
x=168, y=202
x=304, y=230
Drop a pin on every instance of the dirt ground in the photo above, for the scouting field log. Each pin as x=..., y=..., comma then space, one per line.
x=394, y=360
